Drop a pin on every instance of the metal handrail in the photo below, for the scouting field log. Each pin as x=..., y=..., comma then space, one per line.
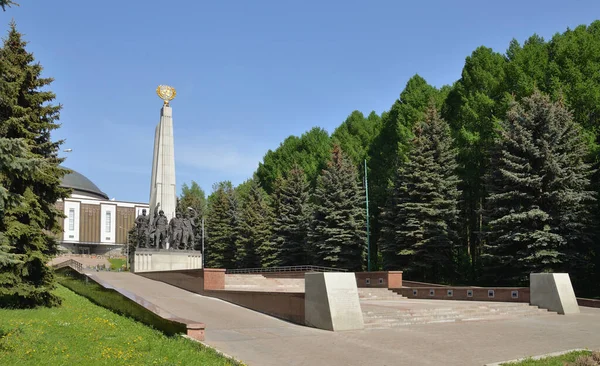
x=78, y=266
x=306, y=268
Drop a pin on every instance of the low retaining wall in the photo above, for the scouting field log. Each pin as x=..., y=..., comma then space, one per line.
x=590, y=303
x=191, y=280
x=284, y=305
x=502, y=294
x=380, y=279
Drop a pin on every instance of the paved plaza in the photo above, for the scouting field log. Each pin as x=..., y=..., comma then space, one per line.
x=258, y=339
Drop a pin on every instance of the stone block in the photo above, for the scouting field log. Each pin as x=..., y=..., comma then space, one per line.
x=553, y=291
x=331, y=301
x=196, y=331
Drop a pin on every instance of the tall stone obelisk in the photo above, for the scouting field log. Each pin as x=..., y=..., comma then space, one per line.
x=162, y=186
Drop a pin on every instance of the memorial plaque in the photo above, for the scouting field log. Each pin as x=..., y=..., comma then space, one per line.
x=514, y=294
x=490, y=293
x=150, y=260
x=469, y=293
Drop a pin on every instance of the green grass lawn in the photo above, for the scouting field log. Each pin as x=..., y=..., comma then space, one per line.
x=79, y=332
x=551, y=361
x=116, y=263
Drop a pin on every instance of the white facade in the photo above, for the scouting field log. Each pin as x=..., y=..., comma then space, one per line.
x=71, y=222
x=108, y=219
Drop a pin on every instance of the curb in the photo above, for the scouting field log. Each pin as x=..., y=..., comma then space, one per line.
x=536, y=357
x=235, y=360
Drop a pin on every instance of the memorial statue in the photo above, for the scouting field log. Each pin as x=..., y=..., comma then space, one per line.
x=189, y=226
x=175, y=231
x=142, y=224
x=160, y=227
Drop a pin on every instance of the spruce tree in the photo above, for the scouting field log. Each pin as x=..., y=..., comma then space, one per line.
x=292, y=210
x=419, y=222
x=221, y=227
x=537, y=213
x=338, y=228
x=29, y=228
x=255, y=227
x=13, y=161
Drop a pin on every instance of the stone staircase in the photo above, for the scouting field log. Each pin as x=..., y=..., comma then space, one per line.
x=377, y=317
x=378, y=294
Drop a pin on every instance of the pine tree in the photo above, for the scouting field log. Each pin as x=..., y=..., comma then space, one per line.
x=30, y=227
x=538, y=208
x=338, y=228
x=255, y=227
x=221, y=227
x=420, y=220
x=292, y=210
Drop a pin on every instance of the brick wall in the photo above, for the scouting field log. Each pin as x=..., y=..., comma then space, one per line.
x=592, y=303
x=381, y=279
x=214, y=279
x=503, y=294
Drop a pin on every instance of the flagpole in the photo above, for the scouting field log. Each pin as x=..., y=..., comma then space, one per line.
x=368, y=228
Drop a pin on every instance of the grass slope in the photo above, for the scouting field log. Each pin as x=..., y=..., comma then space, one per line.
x=116, y=263
x=551, y=361
x=79, y=332
x=117, y=303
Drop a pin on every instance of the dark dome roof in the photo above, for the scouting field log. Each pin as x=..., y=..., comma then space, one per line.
x=82, y=185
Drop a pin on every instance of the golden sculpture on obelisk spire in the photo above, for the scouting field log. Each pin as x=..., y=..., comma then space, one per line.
x=166, y=93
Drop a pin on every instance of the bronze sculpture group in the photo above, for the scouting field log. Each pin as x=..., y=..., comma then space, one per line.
x=179, y=232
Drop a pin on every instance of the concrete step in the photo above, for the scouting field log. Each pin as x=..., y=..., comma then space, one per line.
x=403, y=323
x=378, y=294
x=474, y=314
x=375, y=319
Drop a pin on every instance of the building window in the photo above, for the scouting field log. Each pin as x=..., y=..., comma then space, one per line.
x=71, y=219
x=108, y=216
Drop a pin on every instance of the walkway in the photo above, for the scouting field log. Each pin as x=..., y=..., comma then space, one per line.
x=257, y=339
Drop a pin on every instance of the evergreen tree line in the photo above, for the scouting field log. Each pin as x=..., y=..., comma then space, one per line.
x=439, y=161
x=295, y=225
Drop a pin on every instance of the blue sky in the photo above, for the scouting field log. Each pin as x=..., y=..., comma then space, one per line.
x=248, y=73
